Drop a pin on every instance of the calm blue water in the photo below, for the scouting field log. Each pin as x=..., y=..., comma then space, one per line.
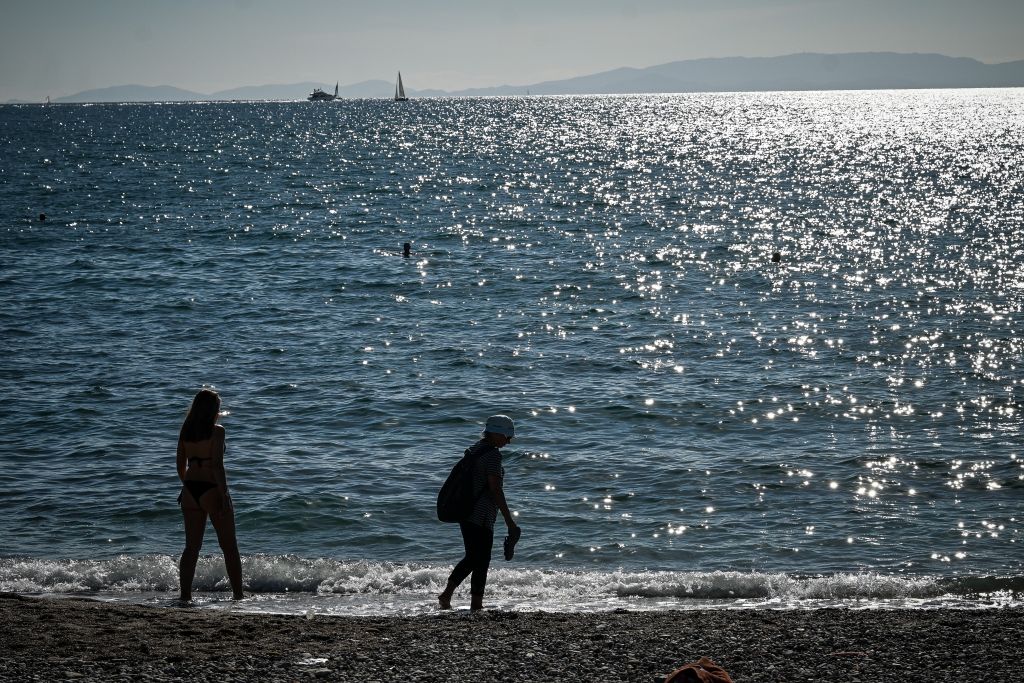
x=696, y=423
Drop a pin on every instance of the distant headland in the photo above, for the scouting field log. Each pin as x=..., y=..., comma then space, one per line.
x=806, y=71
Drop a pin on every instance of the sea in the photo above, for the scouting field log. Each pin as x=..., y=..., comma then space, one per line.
x=762, y=350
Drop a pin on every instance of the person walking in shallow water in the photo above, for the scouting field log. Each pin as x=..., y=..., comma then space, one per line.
x=204, y=492
x=478, y=529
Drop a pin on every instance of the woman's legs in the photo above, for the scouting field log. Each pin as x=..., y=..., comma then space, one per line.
x=195, y=526
x=224, y=525
x=478, y=542
x=484, y=543
x=482, y=561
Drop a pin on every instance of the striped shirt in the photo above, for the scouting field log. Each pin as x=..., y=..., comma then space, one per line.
x=488, y=463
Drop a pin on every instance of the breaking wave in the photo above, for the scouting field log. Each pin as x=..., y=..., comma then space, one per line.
x=541, y=589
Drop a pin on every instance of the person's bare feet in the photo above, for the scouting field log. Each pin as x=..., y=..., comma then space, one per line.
x=445, y=601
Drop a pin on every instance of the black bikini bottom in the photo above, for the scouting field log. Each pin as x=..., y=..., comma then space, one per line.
x=197, y=489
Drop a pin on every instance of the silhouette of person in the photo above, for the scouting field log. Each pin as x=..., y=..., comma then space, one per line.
x=406, y=249
x=204, y=492
x=478, y=530
x=776, y=257
x=42, y=217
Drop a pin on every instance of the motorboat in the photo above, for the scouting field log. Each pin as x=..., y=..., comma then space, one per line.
x=319, y=95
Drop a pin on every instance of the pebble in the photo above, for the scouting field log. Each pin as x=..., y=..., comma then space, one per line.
x=101, y=641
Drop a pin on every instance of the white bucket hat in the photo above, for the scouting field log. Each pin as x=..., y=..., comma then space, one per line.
x=500, y=424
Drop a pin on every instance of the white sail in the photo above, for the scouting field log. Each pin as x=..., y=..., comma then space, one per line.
x=400, y=89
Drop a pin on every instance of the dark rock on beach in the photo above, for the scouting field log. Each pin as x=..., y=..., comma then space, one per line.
x=82, y=640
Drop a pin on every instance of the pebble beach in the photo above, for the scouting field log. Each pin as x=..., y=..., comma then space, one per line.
x=82, y=639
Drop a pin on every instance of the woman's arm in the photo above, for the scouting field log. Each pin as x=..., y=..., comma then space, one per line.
x=219, y=475
x=182, y=461
x=498, y=494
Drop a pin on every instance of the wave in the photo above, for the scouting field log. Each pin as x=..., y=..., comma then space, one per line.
x=280, y=574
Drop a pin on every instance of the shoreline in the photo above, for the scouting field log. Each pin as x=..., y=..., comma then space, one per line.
x=82, y=639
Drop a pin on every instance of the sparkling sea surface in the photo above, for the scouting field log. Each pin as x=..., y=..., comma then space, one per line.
x=696, y=424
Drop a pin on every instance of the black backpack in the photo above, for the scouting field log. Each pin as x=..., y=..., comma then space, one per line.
x=455, y=500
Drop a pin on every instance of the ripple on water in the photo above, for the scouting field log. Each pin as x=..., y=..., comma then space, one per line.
x=598, y=268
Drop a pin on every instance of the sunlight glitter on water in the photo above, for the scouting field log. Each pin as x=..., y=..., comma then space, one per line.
x=608, y=254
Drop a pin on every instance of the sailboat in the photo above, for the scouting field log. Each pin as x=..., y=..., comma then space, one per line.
x=400, y=90
x=319, y=95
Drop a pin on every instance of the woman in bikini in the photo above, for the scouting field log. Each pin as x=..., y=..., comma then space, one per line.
x=205, y=491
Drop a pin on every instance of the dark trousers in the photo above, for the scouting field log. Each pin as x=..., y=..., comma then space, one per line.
x=478, y=541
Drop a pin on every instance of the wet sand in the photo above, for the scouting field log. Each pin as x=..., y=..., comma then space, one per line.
x=87, y=640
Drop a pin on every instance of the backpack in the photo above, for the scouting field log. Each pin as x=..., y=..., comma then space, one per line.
x=455, y=500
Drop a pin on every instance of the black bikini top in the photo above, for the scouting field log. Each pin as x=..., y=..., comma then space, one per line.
x=196, y=458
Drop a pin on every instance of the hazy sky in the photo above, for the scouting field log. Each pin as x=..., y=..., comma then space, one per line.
x=59, y=47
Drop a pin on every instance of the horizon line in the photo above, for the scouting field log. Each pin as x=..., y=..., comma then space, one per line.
x=204, y=97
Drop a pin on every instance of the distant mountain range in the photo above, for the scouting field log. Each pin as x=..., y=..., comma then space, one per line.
x=807, y=71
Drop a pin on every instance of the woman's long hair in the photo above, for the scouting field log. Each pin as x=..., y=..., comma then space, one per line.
x=202, y=415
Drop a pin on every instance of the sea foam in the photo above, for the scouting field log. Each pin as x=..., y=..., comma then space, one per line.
x=289, y=583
